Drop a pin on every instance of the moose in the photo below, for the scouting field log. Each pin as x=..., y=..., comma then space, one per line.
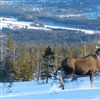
x=87, y=65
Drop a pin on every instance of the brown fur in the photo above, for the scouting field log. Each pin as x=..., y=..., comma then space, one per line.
x=88, y=65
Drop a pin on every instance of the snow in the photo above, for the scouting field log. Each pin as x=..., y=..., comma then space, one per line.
x=78, y=90
x=15, y=24
x=75, y=29
x=89, y=15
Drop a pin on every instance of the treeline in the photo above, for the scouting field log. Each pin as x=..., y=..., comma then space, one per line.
x=93, y=24
x=54, y=37
x=25, y=62
x=76, y=22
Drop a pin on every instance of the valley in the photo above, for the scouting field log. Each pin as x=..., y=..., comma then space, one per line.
x=49, y=16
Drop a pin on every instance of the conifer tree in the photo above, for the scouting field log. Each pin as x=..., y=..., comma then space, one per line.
x=8, y=68
x=48, y=56
x=10, y=43
x=25, y=66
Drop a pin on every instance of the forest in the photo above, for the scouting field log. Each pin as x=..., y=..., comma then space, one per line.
x=33, y=54
x=52, y=38
x=24, y=62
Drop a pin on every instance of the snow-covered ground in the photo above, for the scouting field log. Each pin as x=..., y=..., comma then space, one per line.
x=79, y=90
x=14, y=24
x=89, y=15
x=75, y=29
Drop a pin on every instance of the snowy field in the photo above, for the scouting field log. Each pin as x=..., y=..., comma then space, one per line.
x=78, y=90
x=14, y=23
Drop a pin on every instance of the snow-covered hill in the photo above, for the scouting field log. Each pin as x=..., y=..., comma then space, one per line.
x=88, y=8
x=79, y=90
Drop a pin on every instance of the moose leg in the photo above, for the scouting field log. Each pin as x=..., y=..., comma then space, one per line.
x=62, y=82
x=92, y=79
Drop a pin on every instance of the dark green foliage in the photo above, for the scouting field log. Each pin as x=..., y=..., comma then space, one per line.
x=10, y=43
x=52, y=38
x=48, y=52
x=7, y=64
x=48, y=57
x=8, y=71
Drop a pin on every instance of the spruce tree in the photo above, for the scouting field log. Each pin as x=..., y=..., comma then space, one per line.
x=48, y=57
x=25, y=66
x=8, y=72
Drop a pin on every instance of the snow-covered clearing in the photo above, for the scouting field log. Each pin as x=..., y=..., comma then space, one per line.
x=74, y=29
x=79, y=90
x=15, y=24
